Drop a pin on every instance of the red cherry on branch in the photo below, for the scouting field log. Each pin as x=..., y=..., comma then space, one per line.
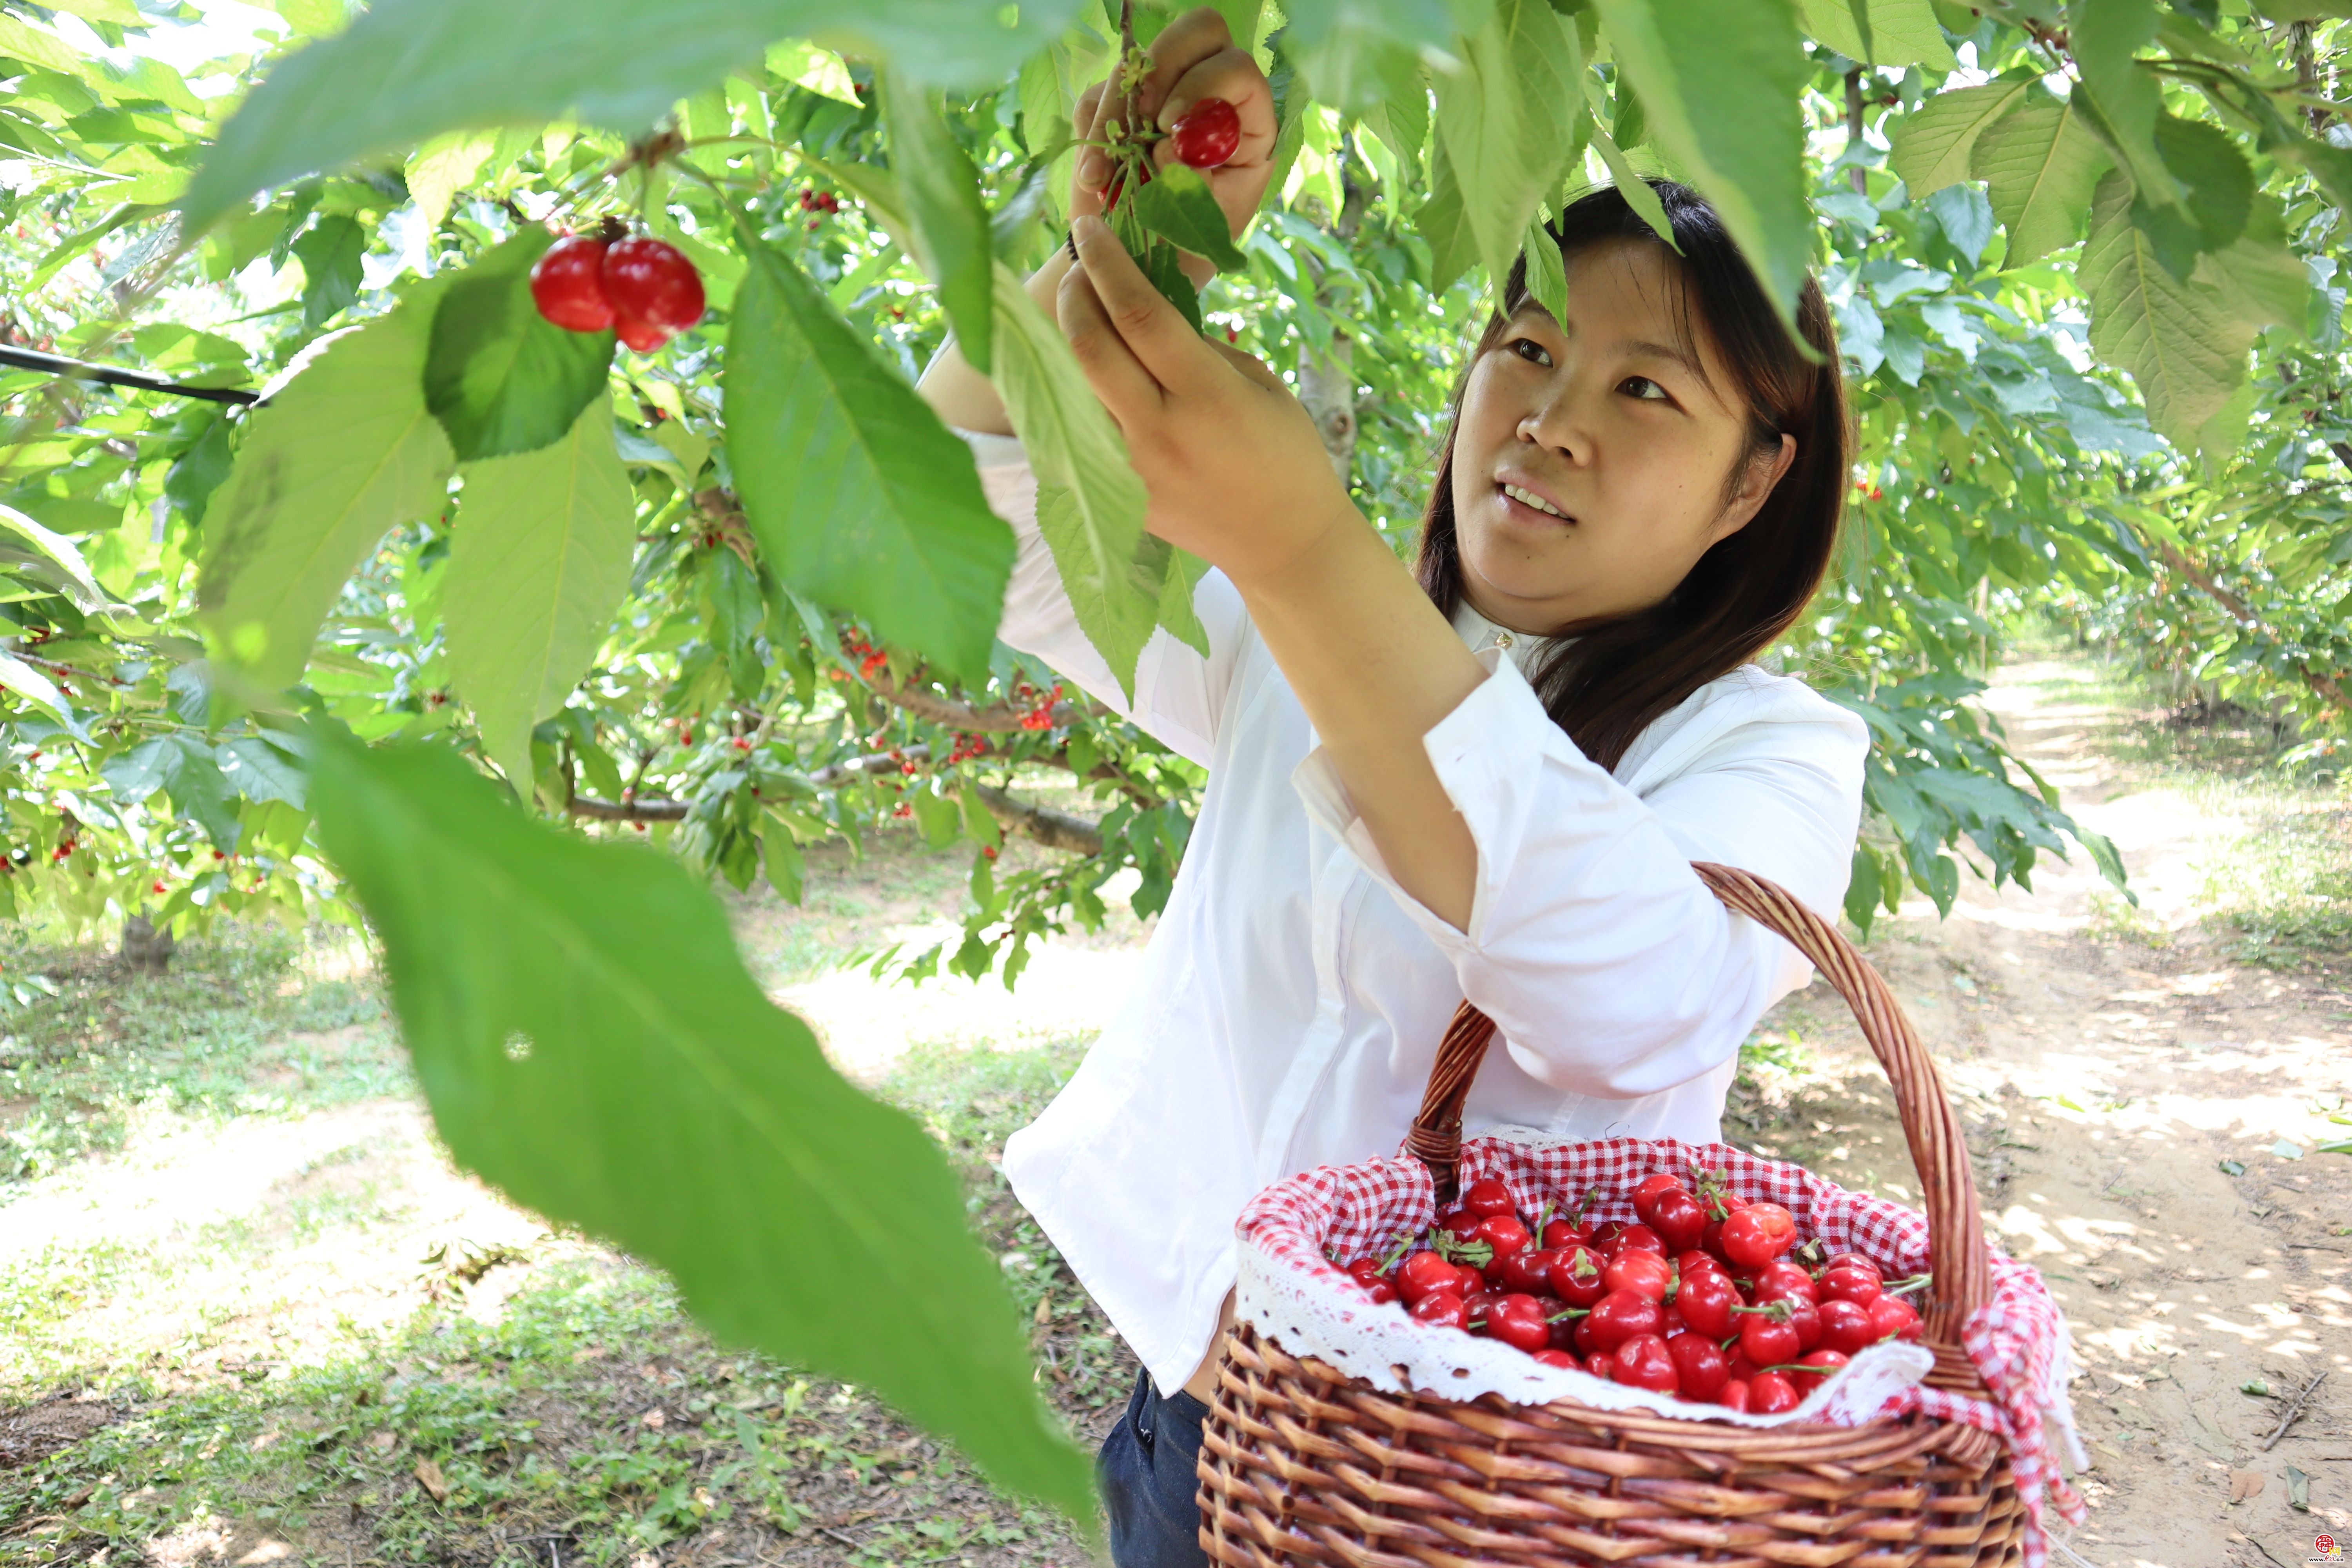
x=1208, y=133
x=655, y=290
x=567, y=284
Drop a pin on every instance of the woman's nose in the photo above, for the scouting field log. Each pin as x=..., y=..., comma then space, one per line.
x=1559, y=423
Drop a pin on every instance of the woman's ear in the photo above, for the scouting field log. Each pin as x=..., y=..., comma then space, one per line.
x=1758, y=476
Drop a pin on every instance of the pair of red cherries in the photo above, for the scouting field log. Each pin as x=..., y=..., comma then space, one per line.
x=643, y=289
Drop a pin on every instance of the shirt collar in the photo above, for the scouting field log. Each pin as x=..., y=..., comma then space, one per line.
x=1478, y=634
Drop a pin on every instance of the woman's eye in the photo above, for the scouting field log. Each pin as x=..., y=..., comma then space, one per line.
x=1643, y=387
x=1531, y=350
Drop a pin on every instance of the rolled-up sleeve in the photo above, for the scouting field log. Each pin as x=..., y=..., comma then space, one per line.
x=1179, y=693
x=1607, y=966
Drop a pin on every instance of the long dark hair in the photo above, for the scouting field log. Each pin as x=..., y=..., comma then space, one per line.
x=1620, y=675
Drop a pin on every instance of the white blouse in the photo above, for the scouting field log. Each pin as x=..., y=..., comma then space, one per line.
x=1290, y=1001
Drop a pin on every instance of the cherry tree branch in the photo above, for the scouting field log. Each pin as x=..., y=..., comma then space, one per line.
x=2329, y=688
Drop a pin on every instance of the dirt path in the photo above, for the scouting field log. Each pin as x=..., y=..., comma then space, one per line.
x=2143, y=1120
x=2144, y=1111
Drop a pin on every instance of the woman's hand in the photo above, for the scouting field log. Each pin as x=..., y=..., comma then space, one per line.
x=1194, y=57
x=1236, y=470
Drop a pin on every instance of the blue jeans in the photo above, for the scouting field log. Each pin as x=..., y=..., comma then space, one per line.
x=1149, y=1487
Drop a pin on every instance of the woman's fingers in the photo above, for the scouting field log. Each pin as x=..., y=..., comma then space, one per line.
x=1184, y=43
x=1118, y=377
x=1232, y=75
x=1091, y=173
x=1159, y=337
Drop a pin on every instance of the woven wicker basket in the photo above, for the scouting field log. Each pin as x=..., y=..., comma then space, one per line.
x=1301, y=1464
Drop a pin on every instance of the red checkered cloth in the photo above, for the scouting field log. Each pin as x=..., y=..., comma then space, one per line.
x=2018, y=1339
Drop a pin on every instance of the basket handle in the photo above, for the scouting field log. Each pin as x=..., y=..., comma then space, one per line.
x=1956, y=1249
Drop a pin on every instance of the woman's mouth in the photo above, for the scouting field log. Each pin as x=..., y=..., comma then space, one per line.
x=1532, y=502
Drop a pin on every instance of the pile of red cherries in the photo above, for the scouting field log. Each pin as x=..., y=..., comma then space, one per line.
x=1704, y=1295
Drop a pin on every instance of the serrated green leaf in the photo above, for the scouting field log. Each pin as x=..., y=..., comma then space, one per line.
x=1722, y=82
x=1933, y=144
x=330, y=252
x=1161, y=263
x=536, y=572
x=859, y=497
x=343, y=451
x=1180, y=576
x=1444, y=223
x=591, y=1044
x=500, y=377
x=1075, y=449
x=1638, y=192
x=2120, y=98
x=2218, y=186
x=410, y=69
x=2040, y=166
x=2179, y=340
x=1178, y=205
x=1547, y=276
x=1506, y=120
x=947, y=220
x=1901, y=32
x=1117, y=601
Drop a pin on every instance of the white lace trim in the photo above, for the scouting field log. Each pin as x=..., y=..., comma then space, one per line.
x=1331, y=1320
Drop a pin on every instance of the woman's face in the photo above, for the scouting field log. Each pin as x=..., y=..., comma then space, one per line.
x=1592, y=455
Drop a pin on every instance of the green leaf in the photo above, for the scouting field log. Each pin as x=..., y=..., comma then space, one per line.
x=1901, y=32
x=1178, y=205
x=37, y=544
x=1934, y=145
x=1075, y=449
x=1444, y=223
x=859, y=497
x=183, y=768
x=1178, y=579
x=536, y=573
x=1353, y=54
x=329, y=253
x=2120, y=98
x=947, y=220
x=1506, y=120
x=500, y=377
x=439, y=170
x=1722, y=82
x=780, y=856
x=1117, y=601
x=343, y=450
x=2040, y=166
x=259, y=771
x=2178, y=340
x=2259, y=278
x=203, y=468
x=24, y=680
x=2219, y=190
x=1639, y=194
x=1547, y=276
x=1164, y=266
x=410, y=69
x=23, y=41
x=591, y=1044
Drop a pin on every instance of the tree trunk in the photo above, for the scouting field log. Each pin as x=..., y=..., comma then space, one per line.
x=145, y=950
x=1326, y=376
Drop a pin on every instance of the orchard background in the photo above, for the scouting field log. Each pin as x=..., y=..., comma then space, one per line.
x=466, y=612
